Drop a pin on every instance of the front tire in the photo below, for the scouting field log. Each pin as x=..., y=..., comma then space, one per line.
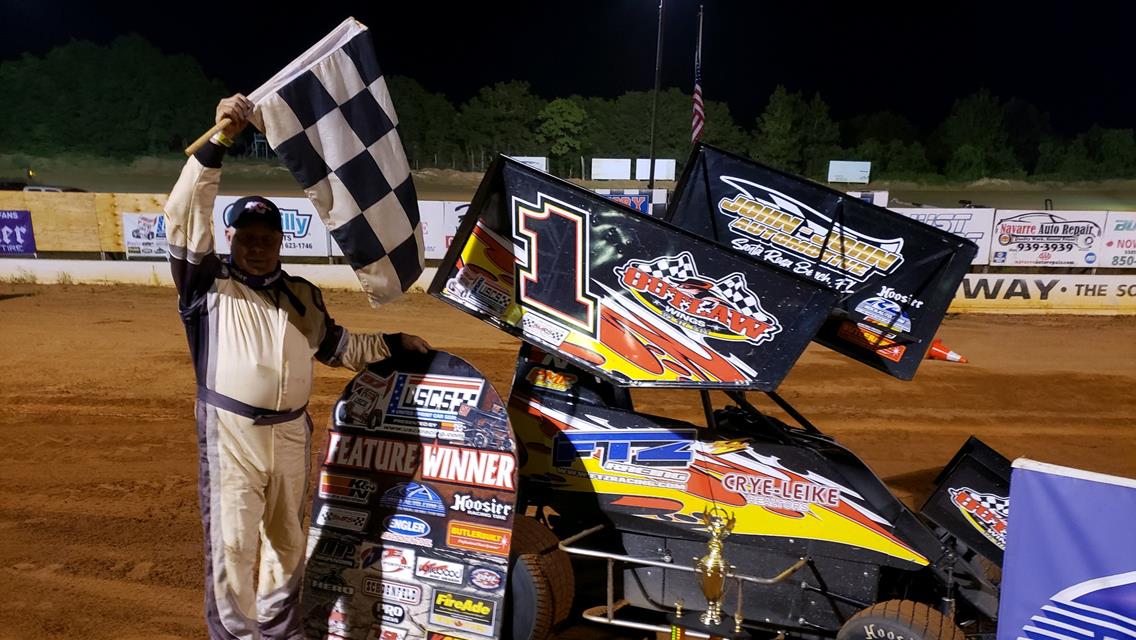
x=530, y=600
x=899, y=620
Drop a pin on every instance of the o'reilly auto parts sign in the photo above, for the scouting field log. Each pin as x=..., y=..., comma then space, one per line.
x=1047, y=238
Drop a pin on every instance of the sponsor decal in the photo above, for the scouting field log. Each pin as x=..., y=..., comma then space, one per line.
x=372, y=454
x=334, y=551
x=885, y=313
x=389, y=612
x=987, y=512
x=434, y=397
x=407, y=525
x=478, y=537
x=379, y=632
x=467, y=466
x=486, y=579
x=440, y=570
x=463, y=612
x=491, y=508
x=781, y=493
x=340, y=518
x=552, y=380
x=332, y=583
x=334, y=486
x=415, y=497
x=725, y=309
x=434, y=635
x=390, y=560
x=872, y=339
x=543, y=330
x=641, y=447
x=1037, y=231
x=471, y=286
x=788, y=233
x=390, y=591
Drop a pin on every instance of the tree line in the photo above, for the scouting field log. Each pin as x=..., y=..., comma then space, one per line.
x=127, y=99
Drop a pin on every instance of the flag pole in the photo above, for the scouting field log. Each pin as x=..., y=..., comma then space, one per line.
x=203, y=138
x=698, y=114
x=655, y=99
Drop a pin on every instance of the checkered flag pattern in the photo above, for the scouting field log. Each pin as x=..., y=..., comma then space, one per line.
x=674, y=268
x=997, y=504
x=329, y=117
x=733, y=289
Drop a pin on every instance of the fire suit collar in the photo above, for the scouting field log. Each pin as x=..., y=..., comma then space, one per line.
x=256, y=282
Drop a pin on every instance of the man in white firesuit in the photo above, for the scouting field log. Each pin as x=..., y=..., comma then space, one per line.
x=253, y=331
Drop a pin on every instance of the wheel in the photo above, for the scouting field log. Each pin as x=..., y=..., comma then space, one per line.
x=530, y=600
x=530, y=536
x=899, y=620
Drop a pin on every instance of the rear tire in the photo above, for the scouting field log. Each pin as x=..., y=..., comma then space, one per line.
x=899, y=620
x=530, y=600
x=530, y=536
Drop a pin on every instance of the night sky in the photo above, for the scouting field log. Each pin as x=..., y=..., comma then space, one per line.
x=1071, y=59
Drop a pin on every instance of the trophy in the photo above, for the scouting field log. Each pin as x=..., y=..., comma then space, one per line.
x=712, y=570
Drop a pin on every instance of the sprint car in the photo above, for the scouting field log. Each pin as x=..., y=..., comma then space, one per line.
x=748, y=266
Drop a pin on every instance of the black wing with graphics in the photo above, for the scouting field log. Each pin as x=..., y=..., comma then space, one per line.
x=621, y=294
x=895, y=276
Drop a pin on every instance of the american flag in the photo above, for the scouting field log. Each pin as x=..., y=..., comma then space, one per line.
x=329, y=117
x=699, y=116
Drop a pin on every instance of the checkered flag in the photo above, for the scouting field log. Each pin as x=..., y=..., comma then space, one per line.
x=329, y=117
x=674, y=268
x=733, y=289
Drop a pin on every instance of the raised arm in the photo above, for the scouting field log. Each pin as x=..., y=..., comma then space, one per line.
x=189, y=208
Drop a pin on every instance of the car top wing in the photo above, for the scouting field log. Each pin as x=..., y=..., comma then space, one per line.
x=894, y=276
x=623, y=295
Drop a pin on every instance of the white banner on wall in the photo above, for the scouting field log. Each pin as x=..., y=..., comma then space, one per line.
x=304, y=232
x=1047, y=238
x=1119, y=244
x=536, y=162
x=453, y=213
x=611, y=168
x=1047, y=292
x=144, y=235
x=972, y=224
x=849, y=171
x=434, y=230
x=878, y=198
x=664, y=169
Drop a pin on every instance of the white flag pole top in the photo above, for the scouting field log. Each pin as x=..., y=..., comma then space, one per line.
x=338, y=37
x=1070, y=472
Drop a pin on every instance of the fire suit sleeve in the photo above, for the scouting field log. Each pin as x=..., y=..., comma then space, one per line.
x=338, y=347
x=189, y=228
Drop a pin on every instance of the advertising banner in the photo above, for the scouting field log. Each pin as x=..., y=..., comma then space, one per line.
x=849, y=171
x=412, y=517
x=1047, y=238
x=623, y=295
x=664, y=168
x=895, y=276
x=1070, y=565
x=630, y=198
x=144, y=235
x=434, y=229
x=304, y=232
x=16, y=235
x=1012, y=293
x=611, y=168
x=1119, y=247
x=452, y=213
x=972, y=224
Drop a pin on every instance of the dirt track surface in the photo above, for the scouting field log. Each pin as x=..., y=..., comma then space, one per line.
x=99, y=529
